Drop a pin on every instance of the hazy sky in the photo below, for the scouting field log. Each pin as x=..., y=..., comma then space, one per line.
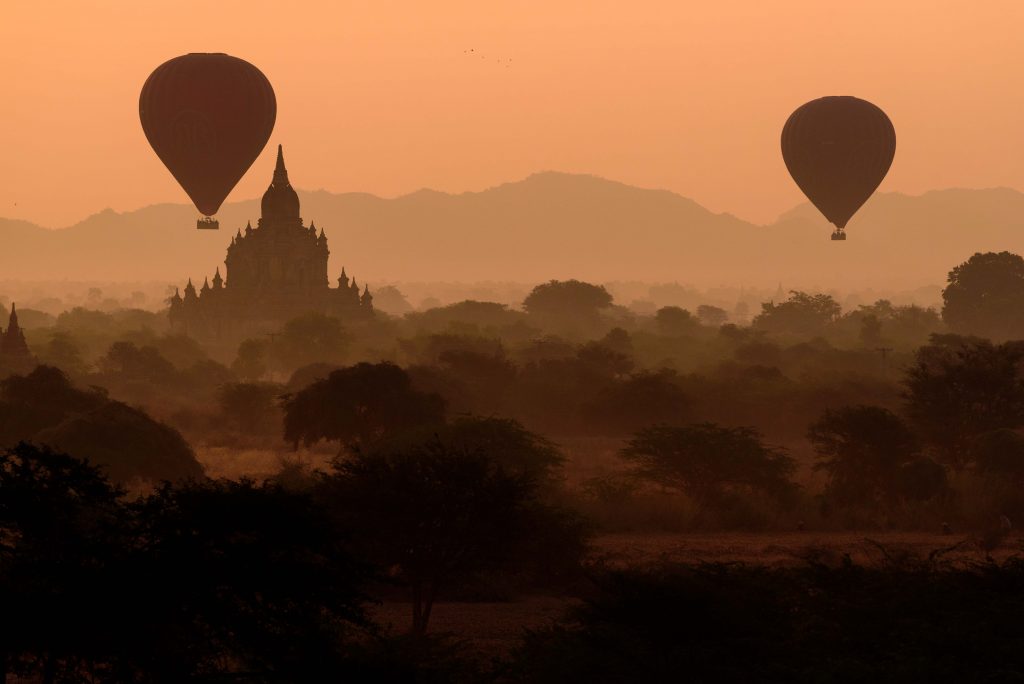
x=381, y=96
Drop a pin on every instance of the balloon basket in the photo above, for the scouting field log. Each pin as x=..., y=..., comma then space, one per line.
x=208, y=223
x=838, y=235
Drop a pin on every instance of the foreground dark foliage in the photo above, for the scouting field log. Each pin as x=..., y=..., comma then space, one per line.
x=720, y=623
x=197, y=582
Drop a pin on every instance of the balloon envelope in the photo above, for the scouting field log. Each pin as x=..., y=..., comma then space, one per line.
x=838, y=150
x=207, y=117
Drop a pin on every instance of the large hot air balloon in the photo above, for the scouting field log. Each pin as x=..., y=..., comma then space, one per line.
x=838, y=150
x=207, y=117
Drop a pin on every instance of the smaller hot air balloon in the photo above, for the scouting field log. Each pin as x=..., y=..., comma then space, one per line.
x=207, y=116
x=838, y=150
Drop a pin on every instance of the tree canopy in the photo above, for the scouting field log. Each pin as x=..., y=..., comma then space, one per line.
x=357, y=406
x=568, y=298
x=708, y=461
x=985, y=297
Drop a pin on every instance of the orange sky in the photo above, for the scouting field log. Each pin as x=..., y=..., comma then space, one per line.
x=379, y=96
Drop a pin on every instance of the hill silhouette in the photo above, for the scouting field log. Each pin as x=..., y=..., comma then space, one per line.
x=549, y=225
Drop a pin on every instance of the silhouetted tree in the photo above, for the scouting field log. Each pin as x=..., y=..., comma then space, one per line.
x=251, y=362
x=921, y=479
x=436, y=514
x=243, y=581
x=181, y=350
x=61, y=533
x=547, y=348
x=251, y=406
x=802, y=314
x=483, y=379
x=708, y=461
x=63, y=352
x=357, y=406
x=642, y=399
x=470, y=315
x=985, y=296
x=505, y=441
x=86, y=321
x=863, y=449
x=125, y=443
x=673, y=320
x=870, y=331
x=959, y=388
x=390, y=299
x=310, y=338
x=712, y=316
x=307, y=375
x=600, y=358
x=430, y=348
x=44, y=406
x=567, y=299
x=137, y=364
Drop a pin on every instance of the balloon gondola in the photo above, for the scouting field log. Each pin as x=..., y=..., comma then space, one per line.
x=838, y=150
x=207, y=117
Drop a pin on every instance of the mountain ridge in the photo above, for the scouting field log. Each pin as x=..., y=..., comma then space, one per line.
x=548, y=225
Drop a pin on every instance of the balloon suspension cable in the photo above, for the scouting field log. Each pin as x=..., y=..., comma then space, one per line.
x=207, y=223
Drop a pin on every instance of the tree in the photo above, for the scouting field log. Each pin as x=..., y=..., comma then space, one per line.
x=436, y=514
x=864, y=449
x=642, y=399
x=985, y=296
x=63, y=352
x=712, y=316
x=310, y=338
x=470, y=315
x=195, y=582
x=870, y=331
x=673, y=320
x=45, y=407
x=959, y=388
x=240, y=580
x=137, y=364
x=125, y=443
x=390, y=299
x=1000, y=454
x=567, y=299
x=252, y=407
x=505, y=441
x=357, y=406
x=61, y=533
x=251, y=362
x=483, y=379
x=802, y=314
x=708, y=461
x=597, y=357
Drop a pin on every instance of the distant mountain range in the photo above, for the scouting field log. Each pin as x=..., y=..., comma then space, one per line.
x=549, y=225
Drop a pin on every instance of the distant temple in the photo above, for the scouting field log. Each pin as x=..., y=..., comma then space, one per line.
x=15, y=356
x=273, y=272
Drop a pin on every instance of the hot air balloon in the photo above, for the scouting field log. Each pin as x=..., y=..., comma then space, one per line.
x=838, y=150
x=207, y=116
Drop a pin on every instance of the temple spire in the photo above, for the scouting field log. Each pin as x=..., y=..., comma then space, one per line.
x=280, y=172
